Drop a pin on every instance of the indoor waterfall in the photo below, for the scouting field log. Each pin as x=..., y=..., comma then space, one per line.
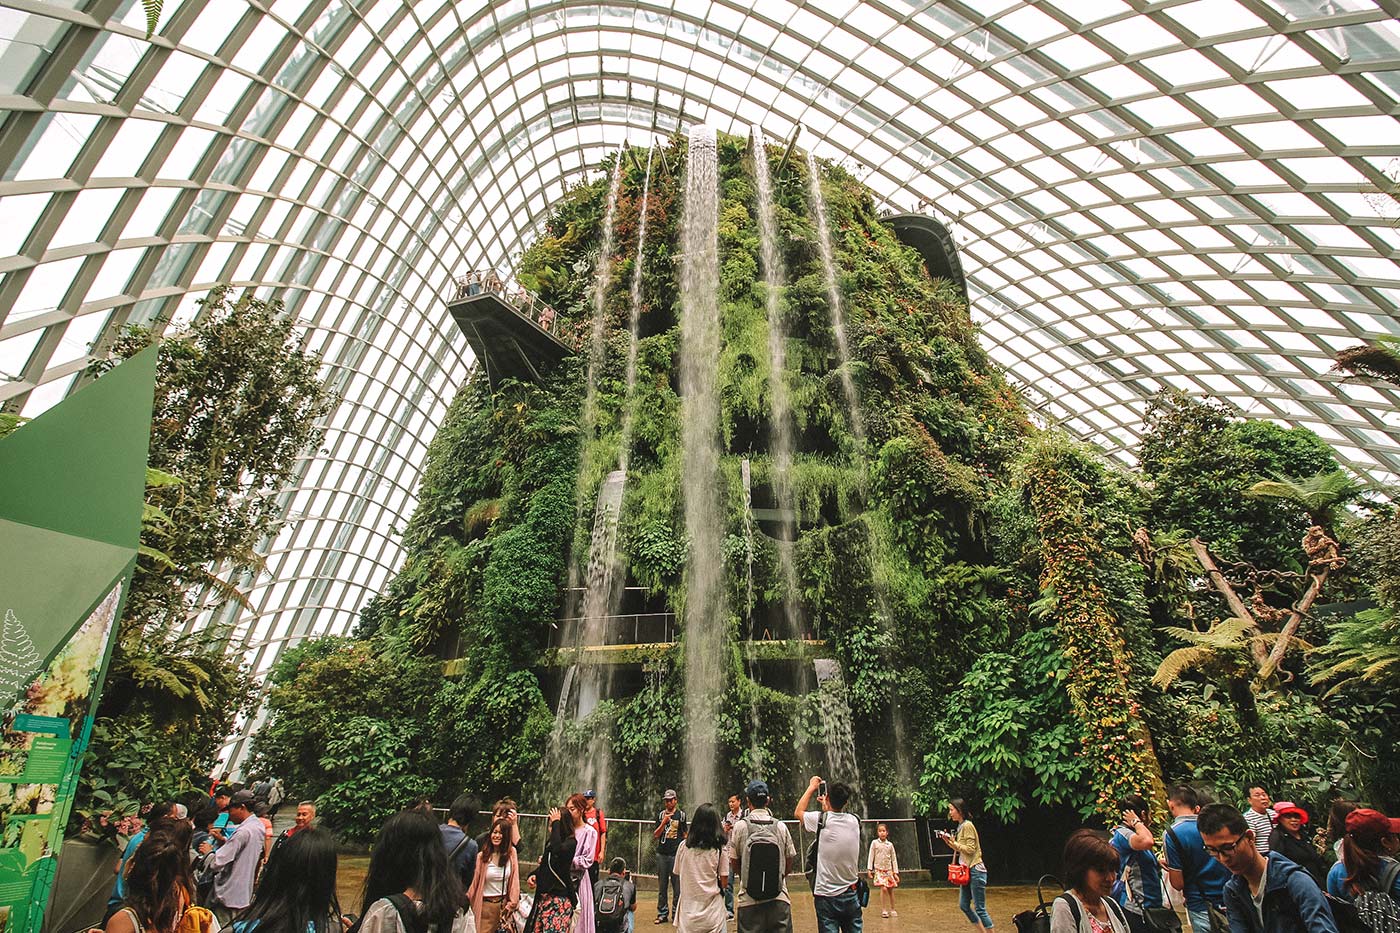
x=780, y=417
x=704, y=614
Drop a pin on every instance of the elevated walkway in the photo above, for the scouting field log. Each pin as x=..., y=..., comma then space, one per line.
x=512, y=332
x=800, y=650
x=934, y=243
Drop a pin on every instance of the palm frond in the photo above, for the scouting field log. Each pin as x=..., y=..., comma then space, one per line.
x=1317, y=494
x=152, y=8
x=1375, y=359
x=1179, y=662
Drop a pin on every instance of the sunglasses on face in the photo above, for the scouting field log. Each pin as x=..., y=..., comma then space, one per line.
x=1229, y=847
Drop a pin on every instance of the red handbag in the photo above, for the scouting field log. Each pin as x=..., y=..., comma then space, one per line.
x=959, y=874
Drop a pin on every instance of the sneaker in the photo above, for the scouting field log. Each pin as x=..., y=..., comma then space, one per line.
x=894, y=913
x=884, y=913
x=659, y=920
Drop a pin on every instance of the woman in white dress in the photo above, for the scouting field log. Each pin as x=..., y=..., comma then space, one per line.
x=703, y=869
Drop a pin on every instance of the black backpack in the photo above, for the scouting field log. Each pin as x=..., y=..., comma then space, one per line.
x=810, y=865
x=611, y=908
x=763, y=860
x=1037, y=919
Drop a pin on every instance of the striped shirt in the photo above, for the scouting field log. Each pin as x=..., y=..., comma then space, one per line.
x=1263, y=826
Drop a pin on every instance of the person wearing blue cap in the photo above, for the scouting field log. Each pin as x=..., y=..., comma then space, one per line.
x=764, y=854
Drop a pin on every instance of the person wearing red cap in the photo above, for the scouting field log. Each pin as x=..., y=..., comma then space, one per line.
x=1288, y=840
x=1364, y=870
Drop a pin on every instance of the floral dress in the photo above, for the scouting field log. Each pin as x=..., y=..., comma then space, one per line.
x=883, y=863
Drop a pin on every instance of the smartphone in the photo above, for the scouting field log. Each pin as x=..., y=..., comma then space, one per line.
x=821, y=789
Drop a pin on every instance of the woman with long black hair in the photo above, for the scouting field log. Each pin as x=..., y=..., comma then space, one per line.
x=297, y=890
x=703, y=870
x=967, y=850
x=410, y=886
x=555, y=892
x=159, y=889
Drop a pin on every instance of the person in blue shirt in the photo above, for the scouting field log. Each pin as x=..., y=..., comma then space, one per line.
x=1189, y=868
x=1139, y=876
x=221, y=796
x=1268, y=894
x=1364, y=865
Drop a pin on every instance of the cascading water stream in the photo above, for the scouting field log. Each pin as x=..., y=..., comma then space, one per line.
x=780, y=417
x=634, y=321
x=704, y=610
x=586, y=618
x=836, y=311
x=836, y=727
x=834, y=304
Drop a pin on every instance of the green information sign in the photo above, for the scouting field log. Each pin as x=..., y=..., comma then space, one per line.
x=72, y=482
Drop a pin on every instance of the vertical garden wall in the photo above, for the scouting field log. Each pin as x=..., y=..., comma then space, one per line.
x=975, y=575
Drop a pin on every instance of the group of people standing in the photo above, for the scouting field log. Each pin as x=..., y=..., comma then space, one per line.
x=1250, y=871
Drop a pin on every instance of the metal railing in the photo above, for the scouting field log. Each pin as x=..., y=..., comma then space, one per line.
x=518, y=299
x=631, y=839
x=634, y=628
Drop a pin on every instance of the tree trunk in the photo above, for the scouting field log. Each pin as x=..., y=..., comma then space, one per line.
x=1232, y=599
x=1290, y=628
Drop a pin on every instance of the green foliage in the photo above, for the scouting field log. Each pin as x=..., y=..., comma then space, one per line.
x=1363, y=650
x=1006, y=735
x=1201, y=462
x=1070, y=492
x=370, y=700
x=368, y=760
x=237, y=401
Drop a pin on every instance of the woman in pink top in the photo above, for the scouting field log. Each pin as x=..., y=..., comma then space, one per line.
x=587, y=838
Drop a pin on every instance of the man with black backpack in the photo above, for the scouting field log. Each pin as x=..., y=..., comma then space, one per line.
x=763, y=856
x=615, y=900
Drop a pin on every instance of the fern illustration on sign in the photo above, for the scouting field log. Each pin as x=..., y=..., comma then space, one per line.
x=19, y=659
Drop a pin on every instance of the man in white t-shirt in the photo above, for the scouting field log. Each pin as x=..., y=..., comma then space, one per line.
x=1260, y=817
x=838, y=857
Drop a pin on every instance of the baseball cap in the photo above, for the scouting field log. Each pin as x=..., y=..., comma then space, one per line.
x=756, y=789
x=1285, y=807
x=1368, y=822
x=590, y=794
x=669, y=795
x=243, y=798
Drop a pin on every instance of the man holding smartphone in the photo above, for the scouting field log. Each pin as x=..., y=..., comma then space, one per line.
x=669, y=834
x=838, y=856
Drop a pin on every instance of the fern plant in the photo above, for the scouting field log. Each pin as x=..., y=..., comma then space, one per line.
x=1226, y=645
x=1364, y=649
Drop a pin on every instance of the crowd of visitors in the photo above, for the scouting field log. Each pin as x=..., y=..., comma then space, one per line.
x=213, y=864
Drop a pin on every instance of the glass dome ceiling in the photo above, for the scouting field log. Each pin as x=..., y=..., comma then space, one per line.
x=1199, y=194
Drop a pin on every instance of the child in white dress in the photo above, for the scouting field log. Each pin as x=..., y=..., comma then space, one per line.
x=883, y=865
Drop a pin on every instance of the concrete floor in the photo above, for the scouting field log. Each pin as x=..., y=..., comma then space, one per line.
x=922, y=909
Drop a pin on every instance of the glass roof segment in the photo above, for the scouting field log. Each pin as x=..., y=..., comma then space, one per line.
x=1199, y=195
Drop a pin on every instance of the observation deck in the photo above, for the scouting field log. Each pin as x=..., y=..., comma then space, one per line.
x=512, y=332
x=934, y=242
x=632, y=639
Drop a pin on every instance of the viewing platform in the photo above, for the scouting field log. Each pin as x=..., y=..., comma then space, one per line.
x=934, y=242
x=635, y=638
x=512, y=332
